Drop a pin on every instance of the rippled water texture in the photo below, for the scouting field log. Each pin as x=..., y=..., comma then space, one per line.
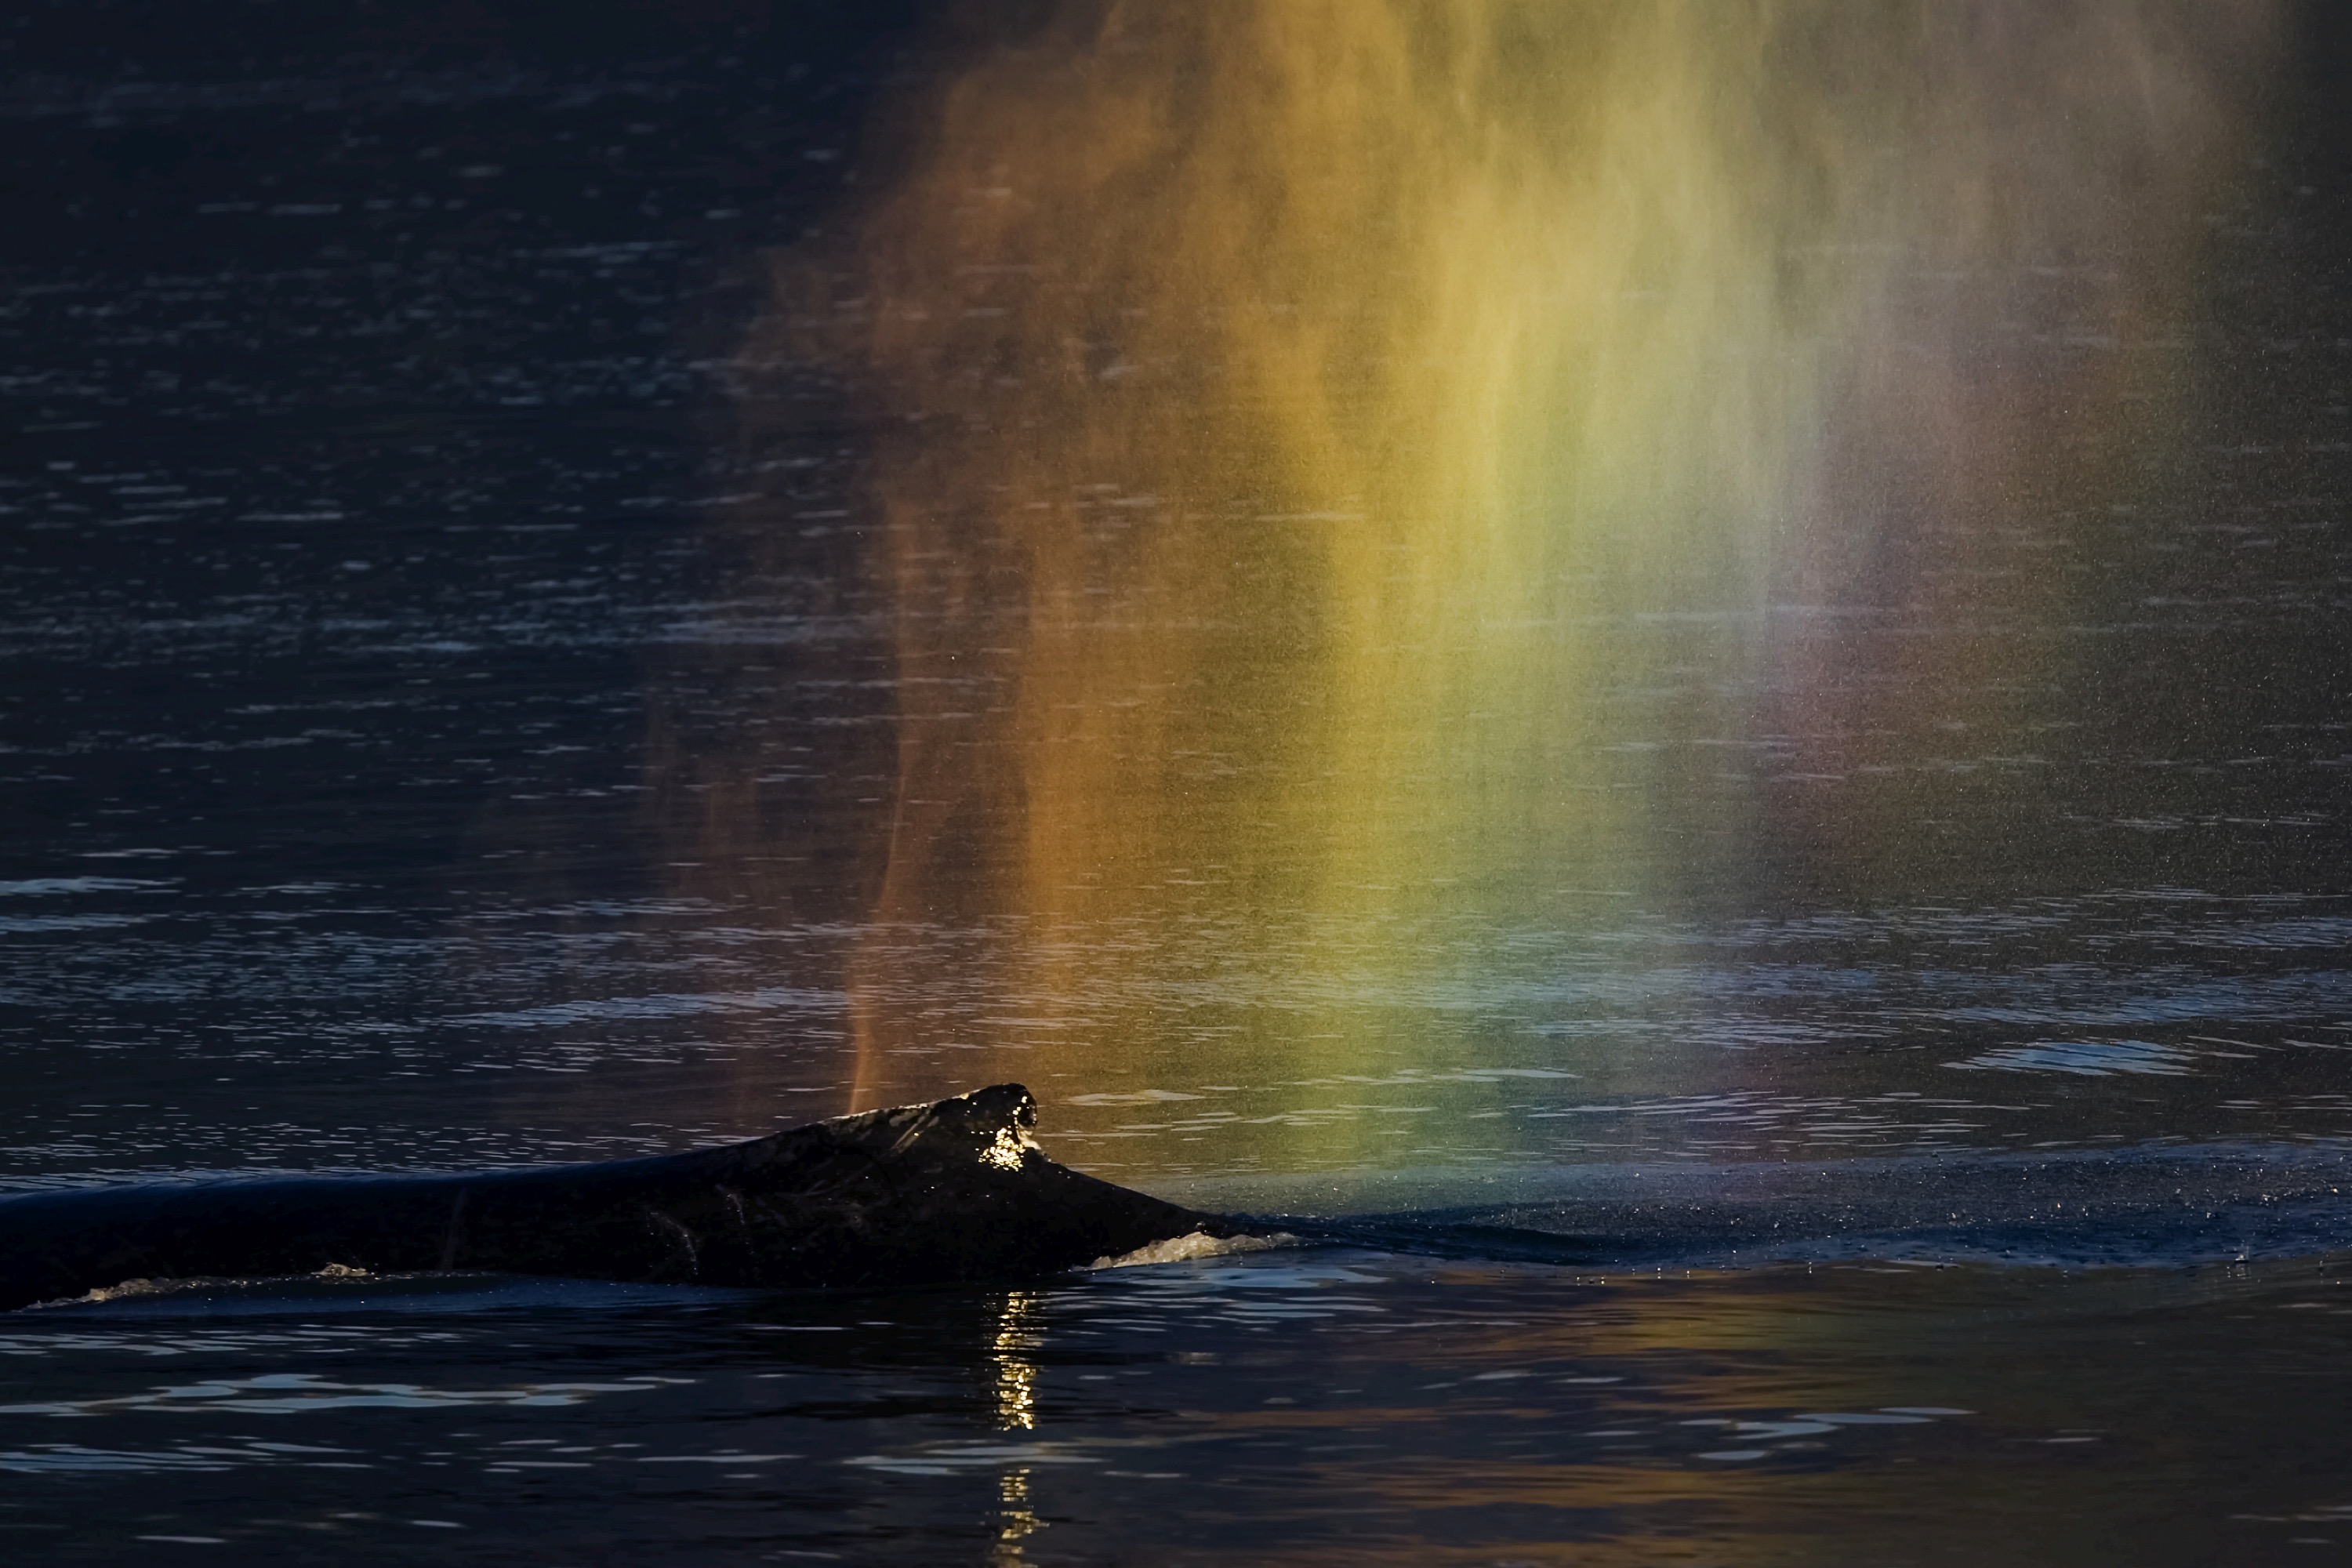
x=1681, y=682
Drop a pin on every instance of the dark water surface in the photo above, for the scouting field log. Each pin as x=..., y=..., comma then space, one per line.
x=383, y=557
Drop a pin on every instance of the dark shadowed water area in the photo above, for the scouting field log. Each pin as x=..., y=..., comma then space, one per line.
x=393, y=530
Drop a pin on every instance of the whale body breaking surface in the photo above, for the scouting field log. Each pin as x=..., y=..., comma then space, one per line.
x=951, y=1192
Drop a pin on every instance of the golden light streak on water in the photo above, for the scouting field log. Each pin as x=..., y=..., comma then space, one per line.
x=1017, y=1518
x=1347, y=452
x=1014, y=1348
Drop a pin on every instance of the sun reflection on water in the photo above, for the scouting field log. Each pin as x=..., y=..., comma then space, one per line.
x=1018, y=1334
x=1020, y=1330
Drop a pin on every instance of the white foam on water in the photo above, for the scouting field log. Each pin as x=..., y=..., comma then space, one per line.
x=1186, y=1248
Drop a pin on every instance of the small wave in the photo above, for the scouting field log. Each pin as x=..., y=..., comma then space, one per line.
x=2146, y=1207
x=2086, y=1058
x=141, y=1289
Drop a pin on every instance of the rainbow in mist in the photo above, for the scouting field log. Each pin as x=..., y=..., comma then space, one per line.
x=1348, y=453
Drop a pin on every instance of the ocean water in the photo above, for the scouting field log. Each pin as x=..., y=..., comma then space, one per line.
x=452, y=718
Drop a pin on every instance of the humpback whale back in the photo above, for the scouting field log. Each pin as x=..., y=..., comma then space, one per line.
x=949, y=1191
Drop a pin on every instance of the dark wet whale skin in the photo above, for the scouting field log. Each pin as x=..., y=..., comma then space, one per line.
x=920, y=1193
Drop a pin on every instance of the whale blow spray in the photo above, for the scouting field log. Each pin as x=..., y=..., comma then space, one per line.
x=1346, y=466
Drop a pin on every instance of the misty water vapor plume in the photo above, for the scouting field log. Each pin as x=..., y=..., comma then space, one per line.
x=1305, y=432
